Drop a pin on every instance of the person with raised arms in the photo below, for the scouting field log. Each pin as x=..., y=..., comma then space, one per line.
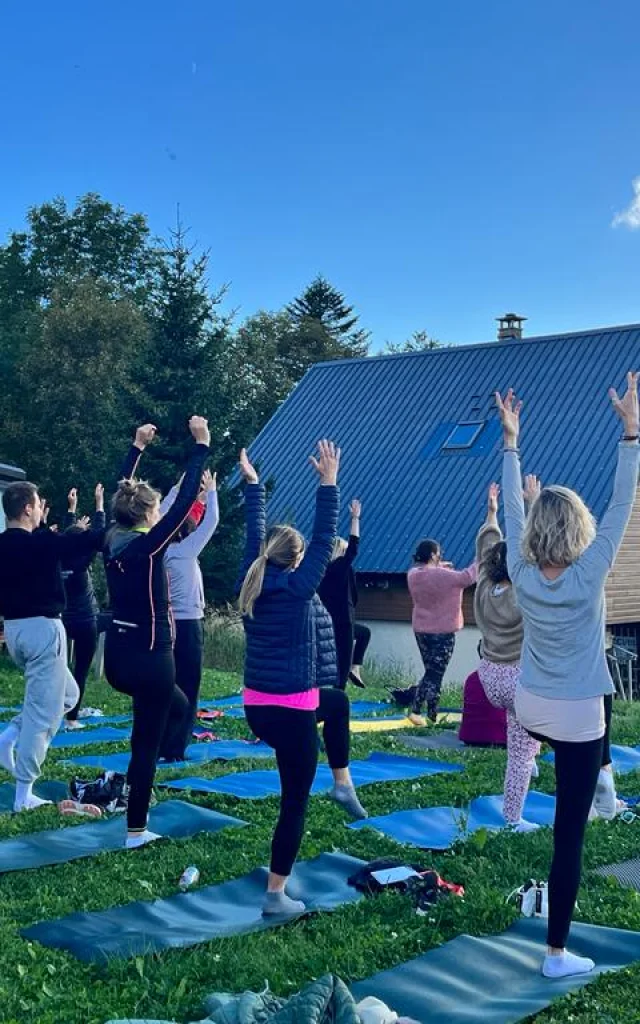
x=290, y=671
x=139, y=642
x=558, y=563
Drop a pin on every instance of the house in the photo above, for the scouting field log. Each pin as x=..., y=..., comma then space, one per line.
x=8, y=475
x=421, y=442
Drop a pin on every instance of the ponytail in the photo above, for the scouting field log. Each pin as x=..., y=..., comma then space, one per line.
x=283, y=547
x=252, y=586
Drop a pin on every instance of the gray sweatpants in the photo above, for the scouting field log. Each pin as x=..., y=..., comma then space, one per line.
x=38, y=646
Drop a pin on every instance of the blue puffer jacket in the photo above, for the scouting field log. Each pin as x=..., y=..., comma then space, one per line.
x=290, y=641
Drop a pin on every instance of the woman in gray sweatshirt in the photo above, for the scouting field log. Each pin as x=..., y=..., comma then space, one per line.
x=186, y=593
x=559, y=564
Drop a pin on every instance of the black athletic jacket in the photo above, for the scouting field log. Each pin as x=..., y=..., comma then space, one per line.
x=338, y=590
x=81, y=604
x=136, y=575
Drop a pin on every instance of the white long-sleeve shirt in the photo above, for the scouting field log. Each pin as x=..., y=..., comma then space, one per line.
x=181, y=560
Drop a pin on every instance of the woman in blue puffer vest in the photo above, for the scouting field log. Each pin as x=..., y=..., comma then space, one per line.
x=290, y=662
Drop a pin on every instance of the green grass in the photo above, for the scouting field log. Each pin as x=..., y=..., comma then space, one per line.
x=40, y=986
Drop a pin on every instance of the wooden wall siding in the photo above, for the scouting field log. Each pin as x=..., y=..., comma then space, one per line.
x=623, y=588
x=623, y=585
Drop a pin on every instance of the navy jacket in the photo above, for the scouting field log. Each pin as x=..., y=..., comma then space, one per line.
x=290, y=642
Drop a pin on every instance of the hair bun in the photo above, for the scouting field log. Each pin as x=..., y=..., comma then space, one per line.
x=128, y=488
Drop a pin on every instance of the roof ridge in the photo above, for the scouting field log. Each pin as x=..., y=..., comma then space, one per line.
x=509, y=342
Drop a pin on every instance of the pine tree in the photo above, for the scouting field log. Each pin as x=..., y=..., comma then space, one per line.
x=325, y=325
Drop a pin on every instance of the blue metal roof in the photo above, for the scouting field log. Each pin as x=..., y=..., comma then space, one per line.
x=393, y=414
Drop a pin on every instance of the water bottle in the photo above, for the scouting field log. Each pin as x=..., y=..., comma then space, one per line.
x=190, y=876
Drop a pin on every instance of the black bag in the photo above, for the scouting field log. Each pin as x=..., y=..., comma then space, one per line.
x=403, y=695
x=109, y=791
x=364, y=881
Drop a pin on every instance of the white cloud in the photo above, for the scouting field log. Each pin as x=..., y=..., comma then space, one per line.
x=630, y=218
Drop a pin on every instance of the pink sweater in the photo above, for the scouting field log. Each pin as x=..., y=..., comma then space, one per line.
x=436, y=593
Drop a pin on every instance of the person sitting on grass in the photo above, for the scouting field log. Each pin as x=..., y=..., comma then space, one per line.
x=558, y=563
x=290, y=667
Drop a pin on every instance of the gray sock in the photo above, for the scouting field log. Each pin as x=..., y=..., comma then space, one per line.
x=280, y=903
x=345, y=794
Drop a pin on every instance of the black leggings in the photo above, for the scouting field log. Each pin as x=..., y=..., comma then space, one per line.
x=294, y=737
x=149, y=678
x=85, y=641
x=363, y=639
x=187, y=655
x=343, y=633
x=577, y=767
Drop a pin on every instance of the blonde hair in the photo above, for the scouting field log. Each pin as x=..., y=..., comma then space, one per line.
x=559, y=528
x=132, y=501
x=339, y=548
x=282, y=547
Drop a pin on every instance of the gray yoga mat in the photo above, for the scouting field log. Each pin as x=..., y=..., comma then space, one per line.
x=496, y=979
x=172, y=818
x=445, y=740
x=186, y=919
x=627, y=872
x=46, y=790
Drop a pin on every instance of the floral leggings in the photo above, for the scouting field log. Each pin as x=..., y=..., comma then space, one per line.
x=435, y=650
x=499, y=684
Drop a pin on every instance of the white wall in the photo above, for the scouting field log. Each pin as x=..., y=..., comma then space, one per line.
x=394, y=642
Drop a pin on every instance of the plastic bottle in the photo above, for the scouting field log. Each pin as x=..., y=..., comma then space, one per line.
x=190, y=876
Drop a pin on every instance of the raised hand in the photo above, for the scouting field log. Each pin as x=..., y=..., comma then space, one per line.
x=45, y=510
x=199, y=428
x=355, y=508
x=145, y=435
x=532, y=488
x=99, y=497
x=509, y=409
x=492, y=499
x=246, y=469
x=327, y=462
x=627, y=406
x=209, y=480
x=72, y=499
x=84, y=523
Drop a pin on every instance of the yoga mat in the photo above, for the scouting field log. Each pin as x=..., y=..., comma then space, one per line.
x=437, y=741
x=92, y=720
x=87, y=737
x=186, y=919
x=46, y=790
x=437, y=828
x=233, y=700
x=258, y=784
x=627, y=872
x=495, y=979
x=199, y=753
x=625, y=759
x=393, y=722
x=173, y=819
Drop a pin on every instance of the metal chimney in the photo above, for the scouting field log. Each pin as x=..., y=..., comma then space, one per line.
x=510, y=327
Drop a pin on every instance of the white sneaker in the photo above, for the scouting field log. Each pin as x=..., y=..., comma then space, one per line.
x=141, y=839
x=535, y=771
x=605, y=799
x=524, y=826
x=71, y=725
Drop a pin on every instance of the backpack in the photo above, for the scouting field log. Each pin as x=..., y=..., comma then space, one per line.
x=109, y=791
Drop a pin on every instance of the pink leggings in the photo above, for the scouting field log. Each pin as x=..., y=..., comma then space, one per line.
x=499, y=684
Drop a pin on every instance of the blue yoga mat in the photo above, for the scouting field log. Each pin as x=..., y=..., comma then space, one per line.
x=92, y=720
x=233, y=700
x=437, y=828
x=258, y=784
x=46, y=790
x=173, y=818
x=625, y=759
x=495, y=979
x=199, y=753
x=187, y=919
x=86, y=737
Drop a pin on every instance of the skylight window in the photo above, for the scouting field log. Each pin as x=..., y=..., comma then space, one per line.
x=462, y=436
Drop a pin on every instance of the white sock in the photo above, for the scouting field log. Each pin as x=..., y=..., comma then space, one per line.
x=524, y=826
x=132, y=842
x=563, y=965
x=8, y=740
x=605, y=798
x=26, y=800
x=535, y=771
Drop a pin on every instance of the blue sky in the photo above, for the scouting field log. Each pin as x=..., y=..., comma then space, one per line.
x=439, y=163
